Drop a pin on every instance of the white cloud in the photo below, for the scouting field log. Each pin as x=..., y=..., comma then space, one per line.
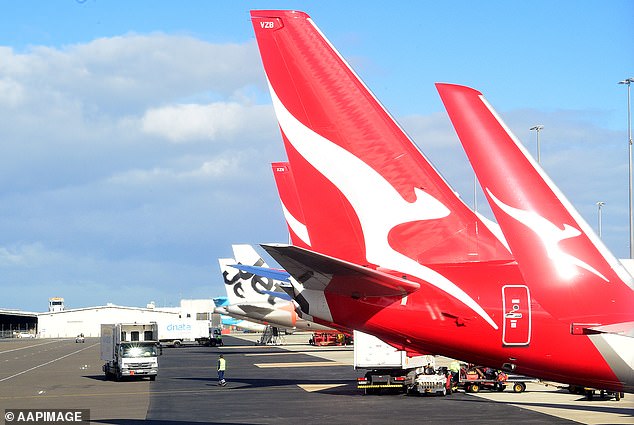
x=28, y=255
x=216, y=121
x=225, y=166
x=11, y=92
x=135, y=160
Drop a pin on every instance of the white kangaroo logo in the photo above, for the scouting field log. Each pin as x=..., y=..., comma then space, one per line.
x=377, y=204
x=551, y=235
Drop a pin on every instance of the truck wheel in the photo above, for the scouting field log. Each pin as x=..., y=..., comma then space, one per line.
x=153, y=378
x=519, y=387
x=617, y=396
x=177, y=344
x=474, y=388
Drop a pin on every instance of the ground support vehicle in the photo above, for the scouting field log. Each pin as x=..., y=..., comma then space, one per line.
x=130, y=350
x=329, y=338
x=175, y=333
x=214, y=339
x=387, y=369
x=589, y=393
x=477, y=378
x=438, y=383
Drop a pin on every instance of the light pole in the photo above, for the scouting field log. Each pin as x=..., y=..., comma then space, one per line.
x=475, y=194
x=628, y=81
x=600, y=204
x=537, y=128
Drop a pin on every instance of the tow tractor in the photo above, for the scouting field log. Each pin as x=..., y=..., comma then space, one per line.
x=475, y=378
x=434, y=381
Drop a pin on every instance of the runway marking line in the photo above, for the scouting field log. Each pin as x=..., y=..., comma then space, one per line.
x=224, y=347
x=300, y=364
x=311, y=388
x=29, y=346
x=47, y=363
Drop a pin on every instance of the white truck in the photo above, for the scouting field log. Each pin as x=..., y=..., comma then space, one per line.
x=177, y=332
x=129, y=349
x=392, y=369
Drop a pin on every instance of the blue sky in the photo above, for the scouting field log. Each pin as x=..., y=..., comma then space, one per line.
x=136, y=136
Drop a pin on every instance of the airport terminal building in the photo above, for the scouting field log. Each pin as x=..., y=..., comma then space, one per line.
x=61, y=323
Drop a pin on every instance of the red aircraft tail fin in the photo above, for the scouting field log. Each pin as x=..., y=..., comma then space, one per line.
x=367, y=193
x=291, y=205
x=564, y=263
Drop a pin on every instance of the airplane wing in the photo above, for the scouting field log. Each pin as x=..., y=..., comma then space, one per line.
x=321, y=272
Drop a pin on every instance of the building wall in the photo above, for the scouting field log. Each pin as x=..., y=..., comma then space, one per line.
x=70, y=323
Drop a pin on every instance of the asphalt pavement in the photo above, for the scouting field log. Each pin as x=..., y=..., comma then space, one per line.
x=290, y=384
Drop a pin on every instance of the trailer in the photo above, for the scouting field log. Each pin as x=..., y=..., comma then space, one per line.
x=389, y=369
x=174, y=333
x=473, y=379
x=329, y=338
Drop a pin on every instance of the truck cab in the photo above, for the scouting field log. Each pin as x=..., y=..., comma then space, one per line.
x=130, y=350
x=138, y=359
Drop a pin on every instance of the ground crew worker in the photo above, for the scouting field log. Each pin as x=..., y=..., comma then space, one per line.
x=222, y=366
x=454, y=368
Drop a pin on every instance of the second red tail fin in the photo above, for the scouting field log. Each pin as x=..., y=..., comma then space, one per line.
x=566, y=266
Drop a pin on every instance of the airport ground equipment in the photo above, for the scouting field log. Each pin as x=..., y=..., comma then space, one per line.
x=476, y=378
x=326, y=338
x=386, y=367
x=589, y=393
x=430, y=381
x=214, y=339
x=174, y=333
x=271, y=336
x=130, y=349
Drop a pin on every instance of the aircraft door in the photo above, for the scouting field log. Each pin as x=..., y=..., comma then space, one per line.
x=516, y=303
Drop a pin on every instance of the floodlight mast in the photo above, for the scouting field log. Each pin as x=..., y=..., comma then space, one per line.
x=600, y=204
x=538, y=128
x=627, y=82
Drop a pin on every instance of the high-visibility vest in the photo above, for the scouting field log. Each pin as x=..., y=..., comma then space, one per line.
x=222, y=364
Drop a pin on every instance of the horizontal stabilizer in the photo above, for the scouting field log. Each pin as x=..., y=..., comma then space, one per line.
x=323, y=273
x=221, y=301
x=281, y=295
x=625, y=329
x=259, y=309
x=276, y=274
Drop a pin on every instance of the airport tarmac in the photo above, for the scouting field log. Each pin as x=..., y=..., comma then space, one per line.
x=294, y=383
